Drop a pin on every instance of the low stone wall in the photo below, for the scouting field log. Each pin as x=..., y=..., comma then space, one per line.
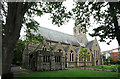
x=72, y=64
x=58, y=65
x=107, y=70
x=87, y=64
x=46, y=66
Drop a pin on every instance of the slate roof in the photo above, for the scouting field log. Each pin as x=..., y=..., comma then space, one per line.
x=66, y=48
x=57, y=36
x=54, y=46
x=89, y=44
x=76, y=49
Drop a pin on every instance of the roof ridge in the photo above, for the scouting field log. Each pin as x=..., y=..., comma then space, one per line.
x=53, y=35
x=55, y=30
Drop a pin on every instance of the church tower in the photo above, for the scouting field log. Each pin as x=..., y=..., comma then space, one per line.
x=80, y=34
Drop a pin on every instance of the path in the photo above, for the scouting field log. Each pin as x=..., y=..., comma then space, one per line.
x=18, y=70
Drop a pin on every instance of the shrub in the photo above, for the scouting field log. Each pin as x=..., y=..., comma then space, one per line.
x=113, y=69
x=103, y=68
x=119, y=68
x=118, y=62
x=105, y=63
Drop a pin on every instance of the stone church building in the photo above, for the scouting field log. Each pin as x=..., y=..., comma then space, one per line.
x=60, y=50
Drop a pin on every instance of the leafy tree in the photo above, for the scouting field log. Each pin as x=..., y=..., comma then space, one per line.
x=18, y=14
x=104, y=58
x=109, y=59
x=84, y=54
x=18, y=51
x=106, y=14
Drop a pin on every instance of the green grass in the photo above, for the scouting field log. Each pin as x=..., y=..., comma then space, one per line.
x=105, y=67
x=72, y=73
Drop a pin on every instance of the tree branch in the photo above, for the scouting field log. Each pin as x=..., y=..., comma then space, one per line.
x=26, y=6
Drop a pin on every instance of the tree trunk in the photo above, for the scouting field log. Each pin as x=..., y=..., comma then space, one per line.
x=115, y=21
x=84, y=63
x=12, y=33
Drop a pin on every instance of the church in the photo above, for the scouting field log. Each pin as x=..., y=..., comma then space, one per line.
x=60, y=50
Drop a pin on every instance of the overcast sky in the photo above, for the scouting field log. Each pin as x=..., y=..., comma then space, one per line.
x=45, y=21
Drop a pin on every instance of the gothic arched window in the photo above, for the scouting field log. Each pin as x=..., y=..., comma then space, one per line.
x=59, y=50
x=44, y=48
x=71, y=56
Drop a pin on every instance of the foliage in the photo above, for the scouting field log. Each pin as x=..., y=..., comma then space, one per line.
x=18, y=51
x=110, y=58
x=106, y=14
x=105, y=63
x=33, y=38
x=84, y=54
x=59, y=14
x=104, y=58
x=115, y=67
x=115, y=62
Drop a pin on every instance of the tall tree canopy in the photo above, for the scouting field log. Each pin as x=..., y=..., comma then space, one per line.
x=107, y=15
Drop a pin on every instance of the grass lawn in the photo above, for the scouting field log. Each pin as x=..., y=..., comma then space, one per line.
x=72, y=73
x=105, y=67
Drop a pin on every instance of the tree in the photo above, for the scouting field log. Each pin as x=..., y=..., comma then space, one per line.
x=18, y=51
x=109, y=59
x=18, y=14
x=105, y=13
x=84, y=54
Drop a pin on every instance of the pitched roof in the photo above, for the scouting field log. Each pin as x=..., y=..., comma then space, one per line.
x=57, y=36
x=89, y=44
x=66, y=48
x=76, y=49
x=54, y=46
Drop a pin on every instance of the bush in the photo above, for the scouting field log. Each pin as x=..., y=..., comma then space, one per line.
x=113, y=69
x=119, y=68
x=105, y=63
x=118, y=62
x=103, y=68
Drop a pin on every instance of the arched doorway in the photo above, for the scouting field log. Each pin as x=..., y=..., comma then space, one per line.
x=97, y=62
